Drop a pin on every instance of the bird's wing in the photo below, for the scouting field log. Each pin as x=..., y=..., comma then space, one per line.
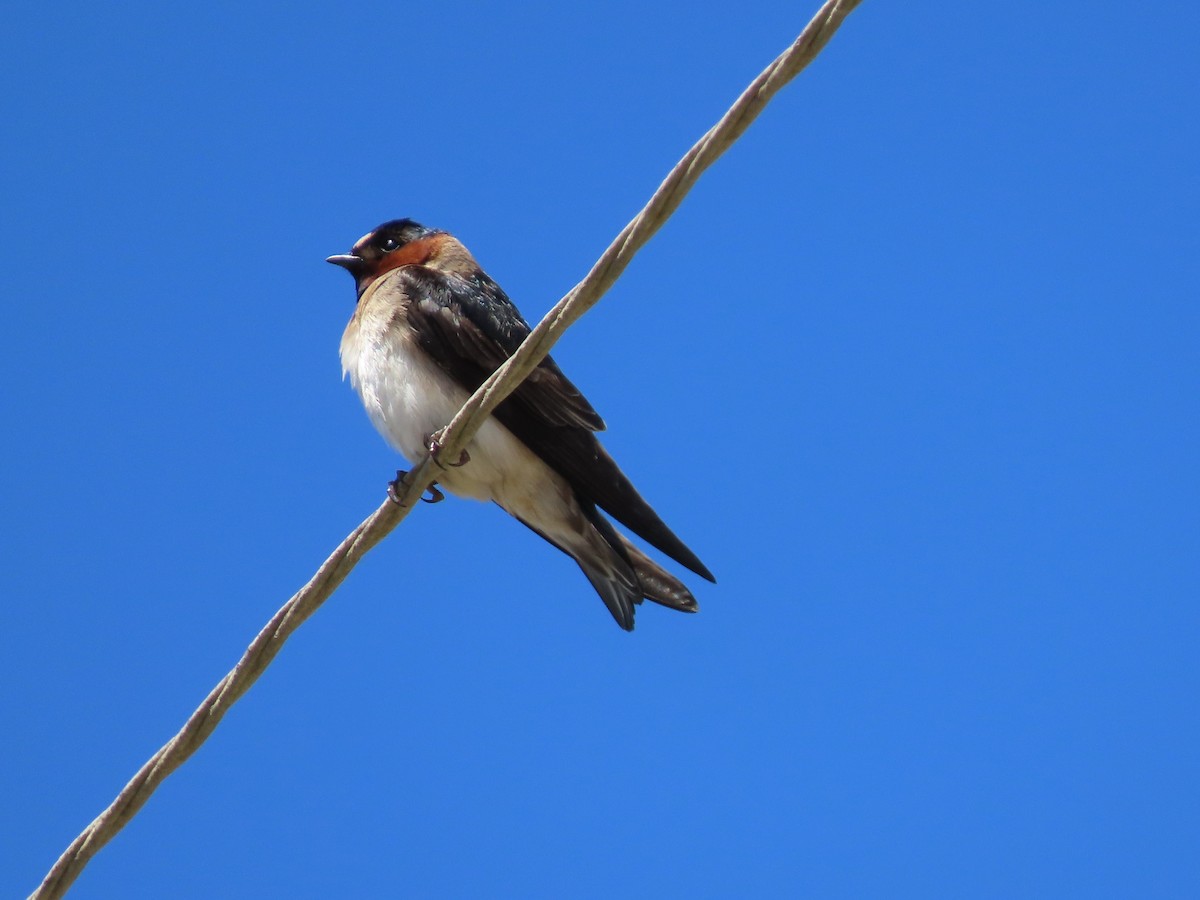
x=470, y=327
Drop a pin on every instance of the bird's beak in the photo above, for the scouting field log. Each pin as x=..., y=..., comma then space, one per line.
x=347, y=261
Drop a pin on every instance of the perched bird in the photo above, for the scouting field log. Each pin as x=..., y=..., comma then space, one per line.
x=429, y=327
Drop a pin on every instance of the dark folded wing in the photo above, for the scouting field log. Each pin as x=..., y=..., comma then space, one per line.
x=469, y=326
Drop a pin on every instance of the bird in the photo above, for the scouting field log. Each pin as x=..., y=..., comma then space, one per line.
x=428, y=328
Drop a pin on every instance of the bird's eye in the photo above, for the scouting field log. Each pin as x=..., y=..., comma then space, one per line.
x=387, y=245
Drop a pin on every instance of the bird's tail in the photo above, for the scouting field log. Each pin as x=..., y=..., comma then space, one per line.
x=656, y=582
x=623, y=575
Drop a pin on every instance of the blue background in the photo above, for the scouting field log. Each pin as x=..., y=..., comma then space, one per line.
x=914, y=370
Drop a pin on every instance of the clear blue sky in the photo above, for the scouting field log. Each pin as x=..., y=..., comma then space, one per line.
x=914, y=370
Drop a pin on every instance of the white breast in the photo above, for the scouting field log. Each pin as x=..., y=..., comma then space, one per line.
x=408, y=397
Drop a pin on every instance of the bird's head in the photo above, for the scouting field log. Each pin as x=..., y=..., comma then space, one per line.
x=401, y=242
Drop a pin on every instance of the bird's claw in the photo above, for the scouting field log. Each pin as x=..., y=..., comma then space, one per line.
x=394, y=487
x=433, y=443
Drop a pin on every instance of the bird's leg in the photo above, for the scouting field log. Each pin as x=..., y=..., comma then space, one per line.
x=433, y=442
x=393, y=490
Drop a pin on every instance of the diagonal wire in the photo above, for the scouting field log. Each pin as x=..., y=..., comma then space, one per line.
x=457, y=435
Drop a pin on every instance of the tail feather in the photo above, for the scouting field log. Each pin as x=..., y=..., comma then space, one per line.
x=620, y=573
x=617, y=586
x=657, y=583
x=652, y=581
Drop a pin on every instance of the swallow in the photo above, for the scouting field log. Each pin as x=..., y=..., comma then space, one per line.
x=429, y=327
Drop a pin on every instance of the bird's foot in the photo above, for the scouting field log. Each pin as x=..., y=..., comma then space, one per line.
x=394, y=487
x=433, y=443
